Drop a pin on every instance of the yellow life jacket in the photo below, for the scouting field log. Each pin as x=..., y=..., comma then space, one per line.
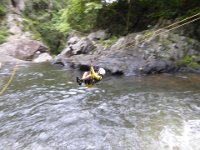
x=95, y=77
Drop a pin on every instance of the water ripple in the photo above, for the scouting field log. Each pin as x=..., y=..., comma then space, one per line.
x=47, y=110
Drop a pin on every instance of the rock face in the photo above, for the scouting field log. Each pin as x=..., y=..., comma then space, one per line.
x=20, y=45
x=23, y=49
x=6, y=58
x=132, y=54
x=77, y=46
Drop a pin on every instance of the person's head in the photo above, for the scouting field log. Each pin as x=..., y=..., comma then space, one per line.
x=102, y=71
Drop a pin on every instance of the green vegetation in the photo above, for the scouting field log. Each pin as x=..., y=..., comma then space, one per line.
x=124, y=16
x=41, y=17
x=3, y=9
x=190, y=61
x=3, y=30
x=3, y=34
x=78, y=15
x=53, y=20
x=109, y=42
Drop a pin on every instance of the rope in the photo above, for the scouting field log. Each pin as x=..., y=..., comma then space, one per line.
x=10, y=80
x=167, y=30
x=181, y=25
x=178, y=22
x=154, y=35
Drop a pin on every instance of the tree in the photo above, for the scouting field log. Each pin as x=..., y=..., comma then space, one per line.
x=79, y=15
x=3, y=8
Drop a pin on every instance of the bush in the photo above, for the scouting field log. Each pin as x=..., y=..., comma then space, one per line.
x=52, y=22
x=109, y=42
x=3, y=9
x=78, y=15
x=3, y=35
x=41, y=17
x=42, y=31
x=189, y=61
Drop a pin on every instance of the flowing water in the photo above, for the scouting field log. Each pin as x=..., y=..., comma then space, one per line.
x=44, y=109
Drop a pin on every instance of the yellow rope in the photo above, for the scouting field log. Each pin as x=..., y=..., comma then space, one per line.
x=181, y=25
x=178, y=22
x=167, y=30
x=10, y=80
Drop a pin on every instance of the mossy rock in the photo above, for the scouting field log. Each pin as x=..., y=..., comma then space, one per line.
x=190, y=61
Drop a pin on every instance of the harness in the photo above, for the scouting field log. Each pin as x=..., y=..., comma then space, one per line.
x=90, y=82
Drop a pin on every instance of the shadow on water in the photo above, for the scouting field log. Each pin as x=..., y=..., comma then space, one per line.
x=44, y=108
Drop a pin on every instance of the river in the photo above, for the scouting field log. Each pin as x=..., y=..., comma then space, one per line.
x=44, y=109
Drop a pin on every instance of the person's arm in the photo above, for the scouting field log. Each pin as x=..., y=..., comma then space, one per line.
x=94, y=74
x=86, y=76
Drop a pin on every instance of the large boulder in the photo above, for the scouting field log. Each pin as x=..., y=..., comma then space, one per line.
x=6, y=58
x=20, y=45
x=77, y=45
x=23, y=48
x=136, y=54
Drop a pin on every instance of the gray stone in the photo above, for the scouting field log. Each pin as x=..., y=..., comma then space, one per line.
x=78, y=46
x=99, y=35
x=23, y=49
x=43, y=58
x=133, y=54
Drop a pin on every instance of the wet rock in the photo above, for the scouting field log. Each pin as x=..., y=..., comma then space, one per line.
x=22, y=48
x=6, y=58
x=134, y=53
x=99, y=35
x=20, y=45
x=158, y=66
x=125, y=42
x=43, y=58
x=78, y=46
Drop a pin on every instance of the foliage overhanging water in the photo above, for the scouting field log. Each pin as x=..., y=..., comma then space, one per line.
x=44, y=108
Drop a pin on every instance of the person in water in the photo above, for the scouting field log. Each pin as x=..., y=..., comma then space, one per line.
x=92, y=77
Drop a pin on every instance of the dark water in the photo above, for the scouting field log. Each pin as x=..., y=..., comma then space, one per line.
x=44, y=109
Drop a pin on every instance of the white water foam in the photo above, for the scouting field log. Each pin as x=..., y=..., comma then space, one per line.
x=188, y=139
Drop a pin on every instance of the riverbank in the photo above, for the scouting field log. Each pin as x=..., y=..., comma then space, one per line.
x=136, y=53
x=151, y=51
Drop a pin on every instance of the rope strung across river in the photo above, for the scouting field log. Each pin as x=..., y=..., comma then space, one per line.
x=160, y=31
